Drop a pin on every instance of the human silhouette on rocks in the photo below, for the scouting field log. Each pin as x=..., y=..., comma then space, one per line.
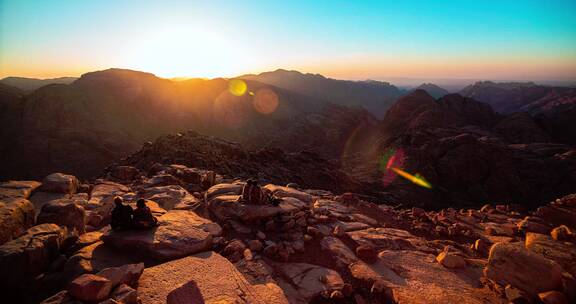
x=121, y=215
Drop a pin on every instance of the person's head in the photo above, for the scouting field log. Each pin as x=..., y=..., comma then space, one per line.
x=141, y=203
x=118, y=201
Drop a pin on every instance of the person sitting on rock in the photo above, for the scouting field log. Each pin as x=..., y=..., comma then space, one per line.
x=143, y=218
x=252, y=194
x=121, y=215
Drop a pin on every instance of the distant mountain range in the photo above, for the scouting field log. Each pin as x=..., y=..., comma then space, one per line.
x=375, y=96
x=103, y=116
x=553, y=107
x=432, y=89
x=31, y=84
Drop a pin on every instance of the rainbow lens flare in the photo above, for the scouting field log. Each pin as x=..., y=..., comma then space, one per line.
x=391, y=163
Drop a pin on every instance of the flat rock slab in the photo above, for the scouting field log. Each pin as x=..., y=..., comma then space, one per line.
x=17, y=189
x=229, y=207
x=171, y=197
x=389, y=239
x=308, y=281
x=206, y=277
x=179, y=233
x=281, y=192
x=415, y=277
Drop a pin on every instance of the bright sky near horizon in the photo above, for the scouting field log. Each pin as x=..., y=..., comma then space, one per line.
x=484, y=39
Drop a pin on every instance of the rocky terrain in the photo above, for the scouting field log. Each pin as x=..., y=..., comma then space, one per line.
x=473, y=155
x=314, y=247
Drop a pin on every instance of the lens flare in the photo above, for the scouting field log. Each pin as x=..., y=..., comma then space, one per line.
x=265, y=101
x=237, y=87
x=391, y=162
x=416, y=179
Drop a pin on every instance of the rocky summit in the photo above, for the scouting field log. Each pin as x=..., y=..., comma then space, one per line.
x=311, y=246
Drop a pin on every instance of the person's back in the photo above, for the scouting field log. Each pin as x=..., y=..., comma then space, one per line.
x=143, y=217
x=121, y=217
x=251, y=193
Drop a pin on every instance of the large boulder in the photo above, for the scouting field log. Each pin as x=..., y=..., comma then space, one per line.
x=16, y=216
x=60, y=183
x=31, y=254
x=513, y=264
x=101, y=200
x=171, y=197
x=230, y=207
x=17, y=189
x=94, y=258
x=179, y=233
x=90, y=288
x=223, y=189
x=64, y=213
x=564, y=253
x=206, y=277
x=280, y=191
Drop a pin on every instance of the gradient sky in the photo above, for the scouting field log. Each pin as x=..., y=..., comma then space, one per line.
x=505, y=39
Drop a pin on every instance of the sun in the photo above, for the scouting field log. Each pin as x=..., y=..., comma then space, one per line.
x=186, y=51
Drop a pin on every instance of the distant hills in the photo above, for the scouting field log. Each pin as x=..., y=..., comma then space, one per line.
x=553, y=107
x=31, y=84
x=83, y=126
x=375, y=96
x=432, y=89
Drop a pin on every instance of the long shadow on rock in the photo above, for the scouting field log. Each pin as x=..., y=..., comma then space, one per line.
x=188, y=293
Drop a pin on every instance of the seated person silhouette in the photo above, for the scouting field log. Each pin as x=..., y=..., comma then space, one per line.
x=253, y=194
x=121, y=215
x=143, y=218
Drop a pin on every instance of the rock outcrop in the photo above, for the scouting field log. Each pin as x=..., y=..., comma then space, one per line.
x=203, y=278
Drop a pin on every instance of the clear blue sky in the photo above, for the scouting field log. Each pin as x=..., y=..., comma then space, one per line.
x=344, y=39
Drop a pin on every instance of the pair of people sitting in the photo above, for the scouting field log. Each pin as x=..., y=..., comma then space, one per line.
x=253, y=194
x=126, y=218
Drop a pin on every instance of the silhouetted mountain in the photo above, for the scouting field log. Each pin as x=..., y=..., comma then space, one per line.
x=31, y=84
x=470, y=154
x=432, y=89
x=104, y=115
x=375, y=96
x=553, y=107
